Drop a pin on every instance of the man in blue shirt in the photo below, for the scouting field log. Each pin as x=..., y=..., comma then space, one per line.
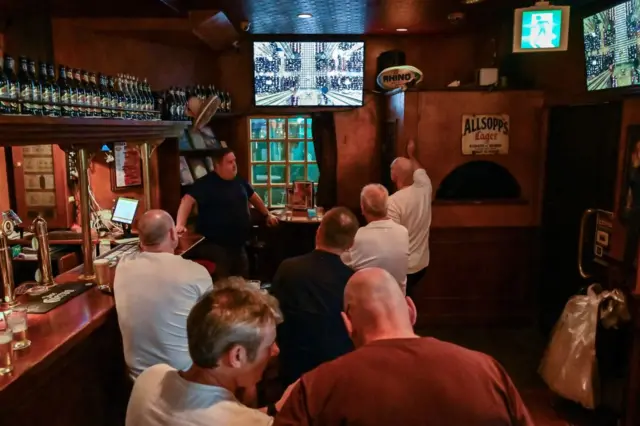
x=223, y=215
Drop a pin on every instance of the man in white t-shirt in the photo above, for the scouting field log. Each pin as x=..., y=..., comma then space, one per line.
x=154, y=292
x=382, y=243
x=232, y=332
x=410, y=206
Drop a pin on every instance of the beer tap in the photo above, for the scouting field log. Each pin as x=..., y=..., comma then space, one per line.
x=6, y=262
x=40, y=242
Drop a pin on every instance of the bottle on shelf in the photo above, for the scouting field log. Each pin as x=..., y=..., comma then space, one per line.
x=4, y=91
x=65, y=92
x=73, y=93
x=55, y=91
x=105, y=96
x=83, y=107
x=13, y=86
x=45, y=91
x=25, y=87
x=95, y=93
x=36, y=90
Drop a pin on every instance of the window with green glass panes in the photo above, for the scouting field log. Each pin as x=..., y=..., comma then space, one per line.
x=281, y=153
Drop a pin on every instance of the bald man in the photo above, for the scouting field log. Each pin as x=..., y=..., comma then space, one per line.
x=154, y=292
x=410, y=206
x=395, y=377
x=382, y=243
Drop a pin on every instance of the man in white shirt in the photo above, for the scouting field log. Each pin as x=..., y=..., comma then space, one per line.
x=154, y=292
x=382, y=243
x=232, y=332
x=410, y=206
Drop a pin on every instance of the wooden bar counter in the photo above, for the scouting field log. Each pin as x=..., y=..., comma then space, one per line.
x=74, y=371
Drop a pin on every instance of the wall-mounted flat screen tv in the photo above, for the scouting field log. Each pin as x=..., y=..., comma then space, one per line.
x=541, y=28
x=308, y=74
x=611, y=44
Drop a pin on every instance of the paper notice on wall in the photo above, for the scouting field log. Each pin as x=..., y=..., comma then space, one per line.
x=485, y=134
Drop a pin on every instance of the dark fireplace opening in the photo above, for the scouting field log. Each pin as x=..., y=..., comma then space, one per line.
x=477, y=181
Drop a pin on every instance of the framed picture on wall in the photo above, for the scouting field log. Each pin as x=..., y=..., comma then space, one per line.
x=126, y=168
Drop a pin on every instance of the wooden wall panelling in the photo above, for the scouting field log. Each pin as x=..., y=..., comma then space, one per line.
x=163, y=65
x=358, y=148
x=4, y=182
x=85, y=386
x=478, y=276
x=438, y=120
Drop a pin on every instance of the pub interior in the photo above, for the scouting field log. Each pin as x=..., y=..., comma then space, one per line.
x=514, y=235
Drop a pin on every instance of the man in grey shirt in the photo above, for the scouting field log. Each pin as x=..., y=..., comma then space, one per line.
x=231, y=332
x=383, y=243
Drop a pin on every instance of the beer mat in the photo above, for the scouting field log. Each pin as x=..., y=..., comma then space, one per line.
x=59, y=295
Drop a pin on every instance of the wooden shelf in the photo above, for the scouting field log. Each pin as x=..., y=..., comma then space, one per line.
x=33, y=130
x=198, y=152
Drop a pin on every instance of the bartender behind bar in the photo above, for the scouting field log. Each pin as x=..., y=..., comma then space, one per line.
x=223, y=215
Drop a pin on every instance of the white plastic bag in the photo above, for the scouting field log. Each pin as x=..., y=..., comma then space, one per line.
x=569, y=365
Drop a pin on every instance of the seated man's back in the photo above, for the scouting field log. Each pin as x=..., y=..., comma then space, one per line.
x=408, y=382
x=310, y=289
x=154, y=292
x=161, y=397
x=383, y=243
x=395, y=377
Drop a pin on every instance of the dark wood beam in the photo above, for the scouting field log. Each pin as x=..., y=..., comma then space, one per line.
x=175, y=5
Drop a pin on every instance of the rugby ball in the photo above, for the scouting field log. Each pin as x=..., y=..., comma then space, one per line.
x=399, y=76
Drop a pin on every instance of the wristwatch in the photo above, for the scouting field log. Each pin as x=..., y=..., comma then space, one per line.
x=272, y=410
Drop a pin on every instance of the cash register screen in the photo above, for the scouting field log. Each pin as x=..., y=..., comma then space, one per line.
x=125, y=210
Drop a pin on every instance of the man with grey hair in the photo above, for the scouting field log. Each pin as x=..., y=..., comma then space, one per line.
x=410, y=206
x=232, y=332
x=382, y=243
x=395, y=377
x=154, y=292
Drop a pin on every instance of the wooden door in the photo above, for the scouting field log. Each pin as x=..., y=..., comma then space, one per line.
x=41, y=188
x=582, y=159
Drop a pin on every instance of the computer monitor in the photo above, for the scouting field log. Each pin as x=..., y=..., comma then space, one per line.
x=124, y=211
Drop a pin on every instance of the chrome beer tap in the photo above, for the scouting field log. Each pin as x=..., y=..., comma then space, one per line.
x=40, y=242
x=6, y=262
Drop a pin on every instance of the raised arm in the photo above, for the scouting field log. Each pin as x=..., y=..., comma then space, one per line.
x=411, y=152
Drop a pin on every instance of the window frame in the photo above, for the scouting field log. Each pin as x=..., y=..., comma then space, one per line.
x=287, y=162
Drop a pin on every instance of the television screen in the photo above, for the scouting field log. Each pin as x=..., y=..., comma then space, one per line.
x=308, y=74
x=611, y=39
x=541, y=29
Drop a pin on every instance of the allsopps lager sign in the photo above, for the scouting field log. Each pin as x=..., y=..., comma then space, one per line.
x=485, y=134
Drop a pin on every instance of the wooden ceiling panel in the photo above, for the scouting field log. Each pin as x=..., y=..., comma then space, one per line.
x=356, y=16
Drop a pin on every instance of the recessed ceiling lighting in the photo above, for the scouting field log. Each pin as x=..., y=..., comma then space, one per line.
x=471, y=1
x=402, y=30
x=305, y=15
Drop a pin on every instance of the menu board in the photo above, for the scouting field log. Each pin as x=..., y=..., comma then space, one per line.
x=39, y=179
x=127, y=170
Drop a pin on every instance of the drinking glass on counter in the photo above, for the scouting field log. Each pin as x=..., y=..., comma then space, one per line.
x=6, y=346
x=101, y=267
x=320, y=213
x=17, y=320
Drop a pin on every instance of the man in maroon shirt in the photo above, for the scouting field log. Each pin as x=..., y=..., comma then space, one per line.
x=395, y=377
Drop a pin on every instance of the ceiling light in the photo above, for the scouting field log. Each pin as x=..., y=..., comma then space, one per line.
x=402, y=30
x=471, y=1
x=305, y=15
